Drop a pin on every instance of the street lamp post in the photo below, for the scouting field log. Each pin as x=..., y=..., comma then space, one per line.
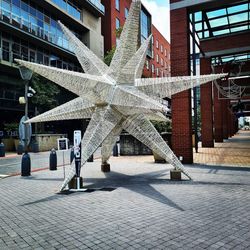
x=26, y=75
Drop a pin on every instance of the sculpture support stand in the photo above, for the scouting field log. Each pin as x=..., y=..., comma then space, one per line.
x=105, y=167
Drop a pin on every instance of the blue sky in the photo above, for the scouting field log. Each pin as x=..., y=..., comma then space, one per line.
x=159, y=10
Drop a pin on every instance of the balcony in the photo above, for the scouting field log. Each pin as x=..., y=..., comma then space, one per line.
x=98, y=5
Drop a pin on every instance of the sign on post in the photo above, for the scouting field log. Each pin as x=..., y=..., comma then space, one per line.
x=62, y=144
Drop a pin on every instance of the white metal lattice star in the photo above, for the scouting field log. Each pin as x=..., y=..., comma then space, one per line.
x=115, y=97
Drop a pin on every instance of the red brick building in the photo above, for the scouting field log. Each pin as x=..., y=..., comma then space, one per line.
x=158, y=58
x=213, y=33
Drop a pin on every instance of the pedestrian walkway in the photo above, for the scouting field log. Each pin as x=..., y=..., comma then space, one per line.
x=232, y=152
x=135, y=206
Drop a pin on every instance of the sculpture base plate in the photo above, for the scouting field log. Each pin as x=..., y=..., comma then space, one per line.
x=73, y=183
x=78, y=190
x=175, y=175
x=105, y=167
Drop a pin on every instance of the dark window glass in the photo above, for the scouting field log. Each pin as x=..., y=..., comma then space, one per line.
x=39, y=14
x=16, y=2
x=40, y=23
x=32, y=11
x=24, y=6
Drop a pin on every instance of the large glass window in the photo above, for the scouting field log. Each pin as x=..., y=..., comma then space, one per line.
x=117, y=23
x=30, y=18
x=13, y=47
x=222, y=21
x=144, y=26
x=117, y=4
x=126, y=12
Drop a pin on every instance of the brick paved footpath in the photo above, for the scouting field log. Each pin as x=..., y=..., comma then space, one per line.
x=234, y=151
x=144, y=211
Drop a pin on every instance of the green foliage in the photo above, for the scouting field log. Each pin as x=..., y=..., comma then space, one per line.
x=118, y=32
x=46, y=93
x=108, y=57
x=162, y=126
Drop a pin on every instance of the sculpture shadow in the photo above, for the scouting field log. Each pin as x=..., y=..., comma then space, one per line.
x=140, y=184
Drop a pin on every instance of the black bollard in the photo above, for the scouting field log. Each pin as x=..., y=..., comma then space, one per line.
x=72, y=155
x=53, y=160
x=2, y=150
x=25, y=166
x=20, y=148
x=115, y=150
x=91, y=158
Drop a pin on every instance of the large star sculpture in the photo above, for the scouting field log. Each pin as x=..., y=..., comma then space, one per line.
x=115, y=97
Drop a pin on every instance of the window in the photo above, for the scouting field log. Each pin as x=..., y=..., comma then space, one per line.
x=166, y=53
x=162, y=63
x=145, y=30
x=147, y=64
x=117, y=4
x=126, y=12
x=117, y=23
x=157, y=44
x=157, y=58
x=161, y=49
x=153, y=68
x=157, y=72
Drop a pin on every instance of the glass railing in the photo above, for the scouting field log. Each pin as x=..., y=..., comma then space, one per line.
x=9, y=56
x=98, y=5
x=69, y=7
x=34, y=29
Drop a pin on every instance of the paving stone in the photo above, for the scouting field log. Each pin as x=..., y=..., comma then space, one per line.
x=144, y=211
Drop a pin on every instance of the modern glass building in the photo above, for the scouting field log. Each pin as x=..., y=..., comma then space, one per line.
x=29, y=30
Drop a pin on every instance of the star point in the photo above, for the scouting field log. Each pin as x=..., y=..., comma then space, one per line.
x=115, y=97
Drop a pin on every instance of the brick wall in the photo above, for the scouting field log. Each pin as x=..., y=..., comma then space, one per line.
x=108, y=31
x=181, y=103
x=206, y=107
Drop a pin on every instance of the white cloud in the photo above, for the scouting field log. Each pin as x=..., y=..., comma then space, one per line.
x=160, y=16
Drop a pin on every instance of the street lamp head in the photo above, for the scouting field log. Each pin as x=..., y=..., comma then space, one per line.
x=25, y=73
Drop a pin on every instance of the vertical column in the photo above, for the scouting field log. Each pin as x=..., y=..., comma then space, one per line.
x=218, y=125
x=207, y=134
x=224, y=119
x=181, y=103
x=229, y=120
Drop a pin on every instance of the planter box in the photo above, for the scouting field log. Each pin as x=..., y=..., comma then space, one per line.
x=131, y=146
x=9, y=144
x=47, y=141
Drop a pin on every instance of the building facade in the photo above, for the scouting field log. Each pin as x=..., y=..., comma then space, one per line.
x=29, y=30
x=158, y=56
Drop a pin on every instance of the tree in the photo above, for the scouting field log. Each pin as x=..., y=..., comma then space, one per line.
x=46, y=93
x=108, y=57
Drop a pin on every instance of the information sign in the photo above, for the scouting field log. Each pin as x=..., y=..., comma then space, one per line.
x=62, y=144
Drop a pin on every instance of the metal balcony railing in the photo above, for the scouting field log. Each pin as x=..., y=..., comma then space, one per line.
x=32, y=28
x=98, y=5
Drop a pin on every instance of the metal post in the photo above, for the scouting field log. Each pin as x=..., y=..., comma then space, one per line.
x=26, y=116
x=26, y=75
